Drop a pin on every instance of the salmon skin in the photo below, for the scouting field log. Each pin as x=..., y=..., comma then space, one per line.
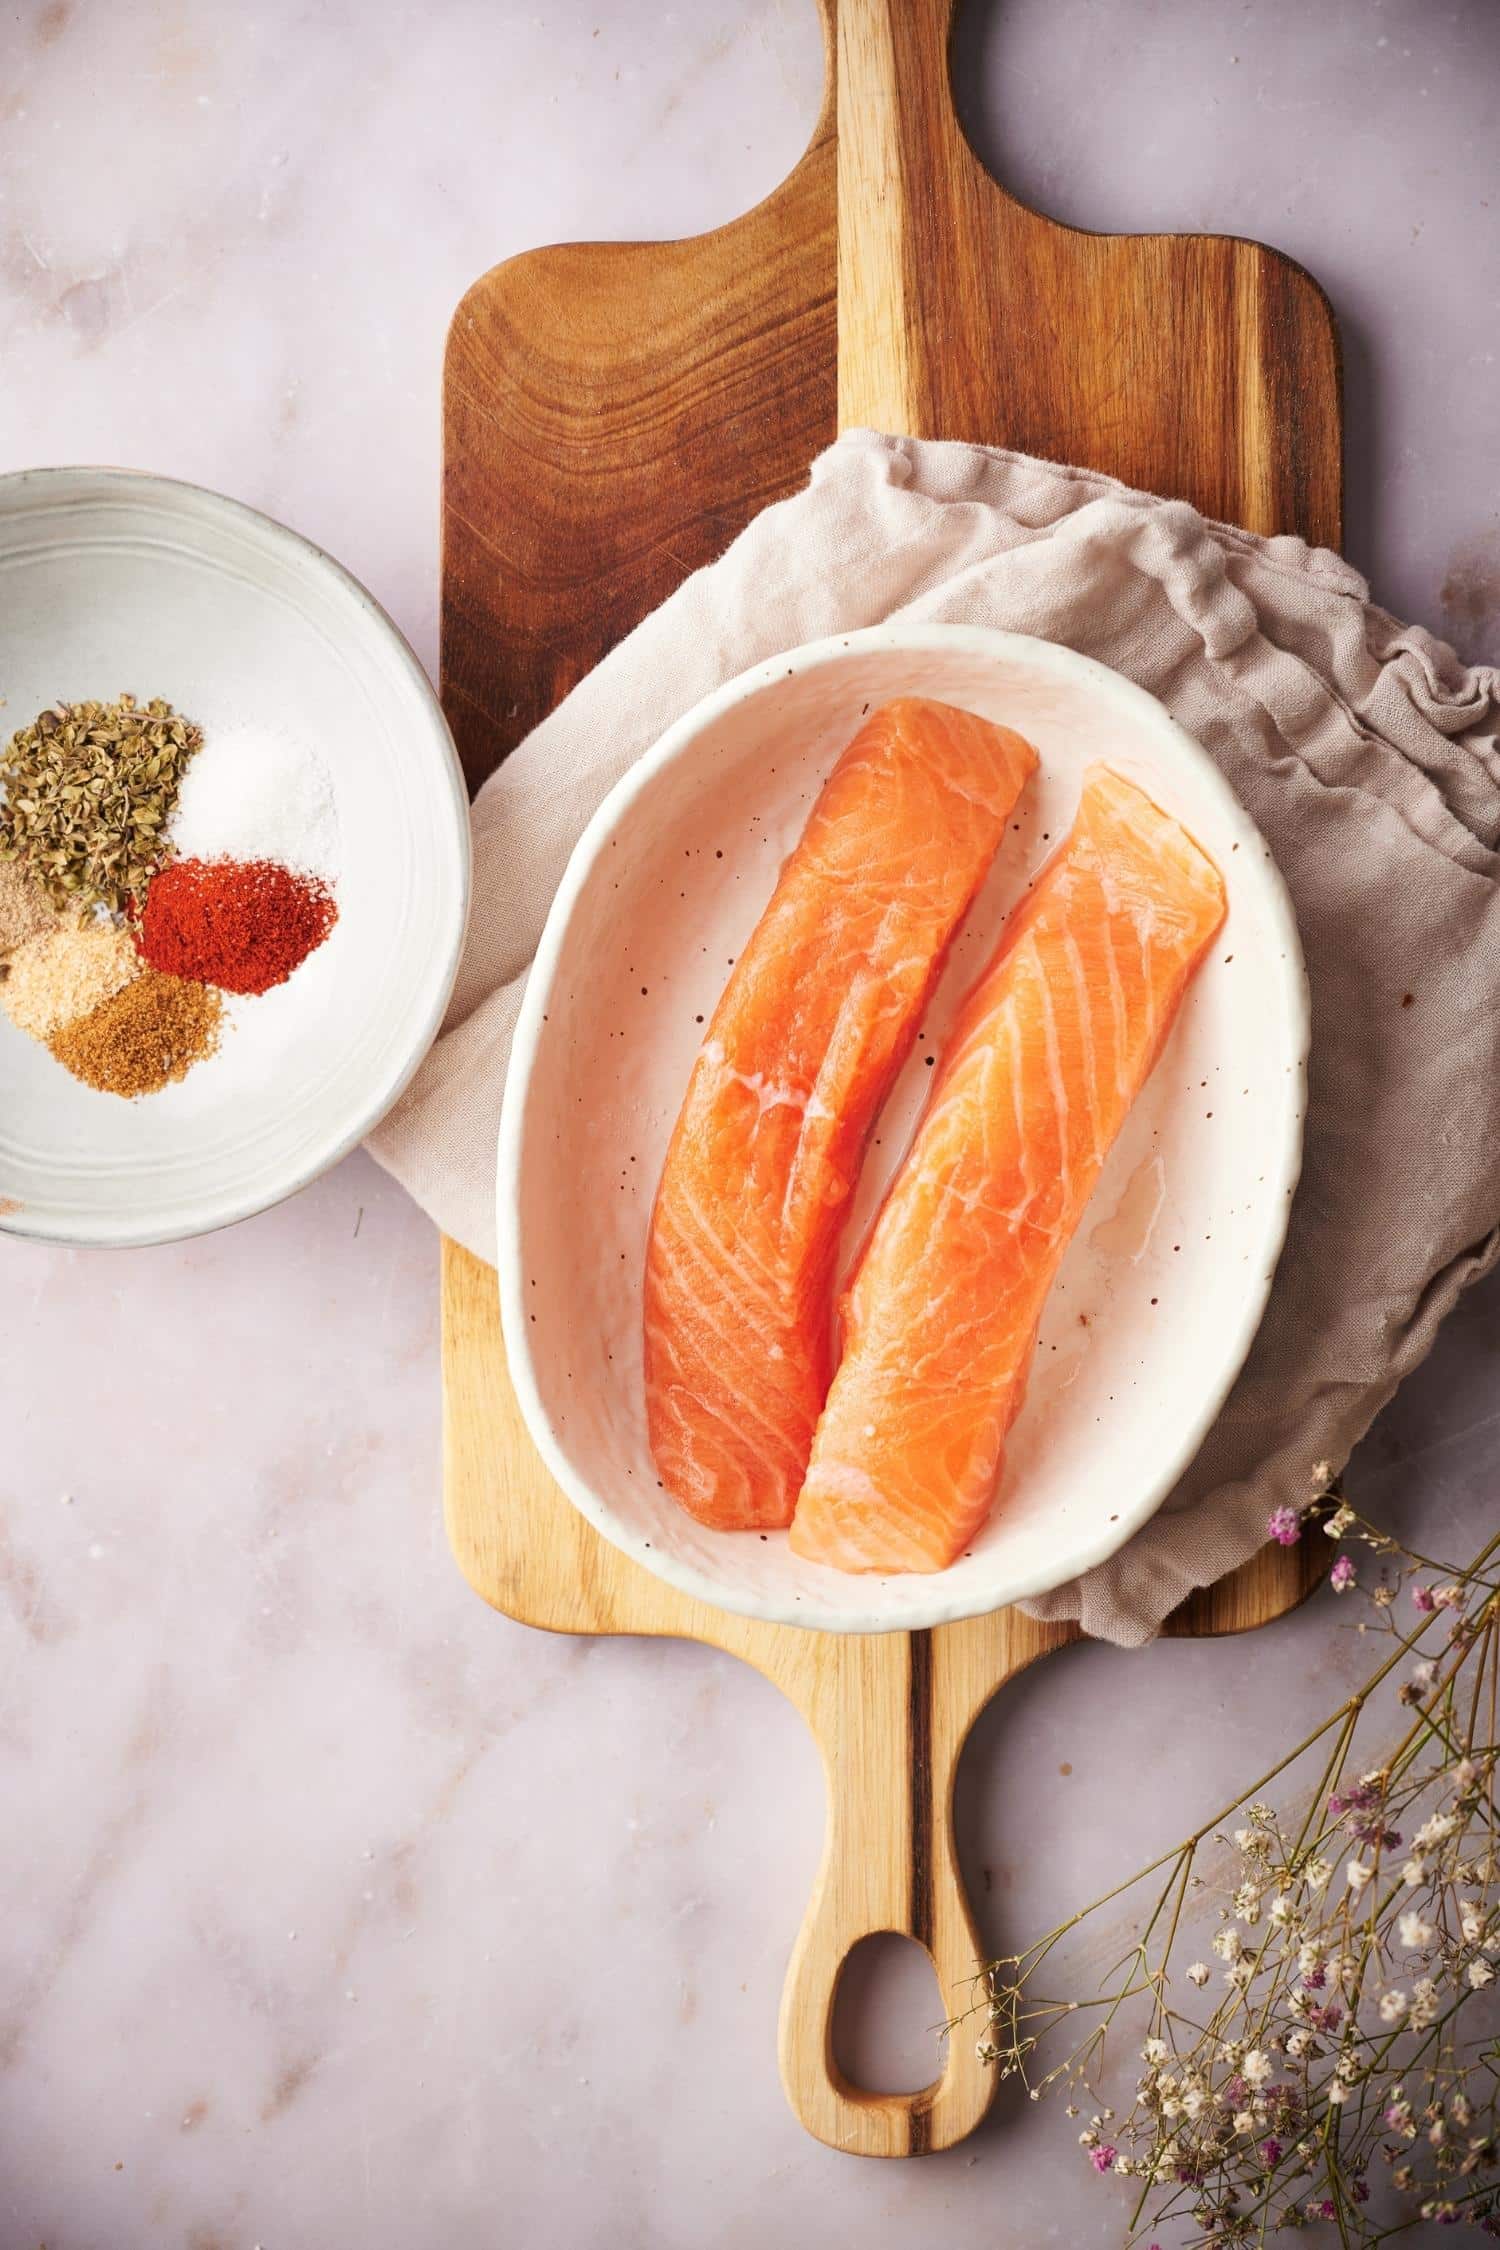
x=818, y=1017
x=1048, y=1054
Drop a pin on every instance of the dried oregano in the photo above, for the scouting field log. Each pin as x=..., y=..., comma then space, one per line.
x=88, y=791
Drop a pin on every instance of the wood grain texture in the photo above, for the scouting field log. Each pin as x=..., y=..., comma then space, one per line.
x=613, y=415
x=1201, y=366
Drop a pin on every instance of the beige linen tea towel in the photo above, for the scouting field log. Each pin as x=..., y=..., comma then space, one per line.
x=1367, y=754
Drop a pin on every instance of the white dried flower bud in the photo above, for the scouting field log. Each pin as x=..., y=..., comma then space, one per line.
x=1416, y=1934
x=1244, y=2121
x=1256, y=2067
x=1392, y=2005
x=1414, y=1873
x=1356, y=1875
x=1338, y=2091
x=1198, y=1973
x=1316, y=1873
x=1226, y=1943
x=1154, y=2051
x=1480, y=1974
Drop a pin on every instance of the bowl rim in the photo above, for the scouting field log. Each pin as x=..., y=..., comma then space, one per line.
x=306, y=556
x=677, y=742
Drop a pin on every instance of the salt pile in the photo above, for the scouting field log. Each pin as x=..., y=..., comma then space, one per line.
x=253, y=796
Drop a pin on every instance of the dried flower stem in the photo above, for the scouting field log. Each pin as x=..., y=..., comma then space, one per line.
x=1338, y=2042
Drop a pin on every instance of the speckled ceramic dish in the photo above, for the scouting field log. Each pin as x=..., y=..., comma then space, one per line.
x=1162, y=1290
x=113, y=582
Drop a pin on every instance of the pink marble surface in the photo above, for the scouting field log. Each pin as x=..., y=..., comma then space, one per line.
x=334, y=1909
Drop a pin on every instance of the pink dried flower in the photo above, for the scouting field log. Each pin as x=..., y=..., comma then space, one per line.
x=1103, y=2159
x=1285, y=1526
x=1341, y=1577
x=1425, y=1599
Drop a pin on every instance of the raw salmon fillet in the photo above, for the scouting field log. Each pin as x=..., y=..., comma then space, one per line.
x=819, y=1015
x=1048, y=1054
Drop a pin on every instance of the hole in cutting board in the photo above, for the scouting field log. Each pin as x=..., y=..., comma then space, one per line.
x=887, y=2014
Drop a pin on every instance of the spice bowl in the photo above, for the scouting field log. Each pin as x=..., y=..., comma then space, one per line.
x=322, y=859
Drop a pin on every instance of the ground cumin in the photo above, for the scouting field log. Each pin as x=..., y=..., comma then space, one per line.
x=147, y=1035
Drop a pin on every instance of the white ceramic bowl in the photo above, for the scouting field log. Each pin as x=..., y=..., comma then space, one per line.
x=1163, y=1287
x=112, y=581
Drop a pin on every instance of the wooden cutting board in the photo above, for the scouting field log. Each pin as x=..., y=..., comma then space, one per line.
x=614, y=414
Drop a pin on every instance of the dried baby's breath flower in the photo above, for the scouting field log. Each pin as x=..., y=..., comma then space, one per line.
x=1323, y=2067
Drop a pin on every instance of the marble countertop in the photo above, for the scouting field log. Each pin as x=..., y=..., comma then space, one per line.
x=333, y=1908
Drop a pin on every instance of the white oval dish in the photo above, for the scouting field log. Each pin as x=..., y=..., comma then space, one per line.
x=1163, y=1287
x=112, y=581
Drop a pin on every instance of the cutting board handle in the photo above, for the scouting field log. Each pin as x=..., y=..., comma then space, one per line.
x=891, y=1714
x=908, y=185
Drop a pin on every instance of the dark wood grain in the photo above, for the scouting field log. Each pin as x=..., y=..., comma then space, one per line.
x=613, y=414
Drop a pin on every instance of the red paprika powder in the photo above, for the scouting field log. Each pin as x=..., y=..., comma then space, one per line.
x=241, y=924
